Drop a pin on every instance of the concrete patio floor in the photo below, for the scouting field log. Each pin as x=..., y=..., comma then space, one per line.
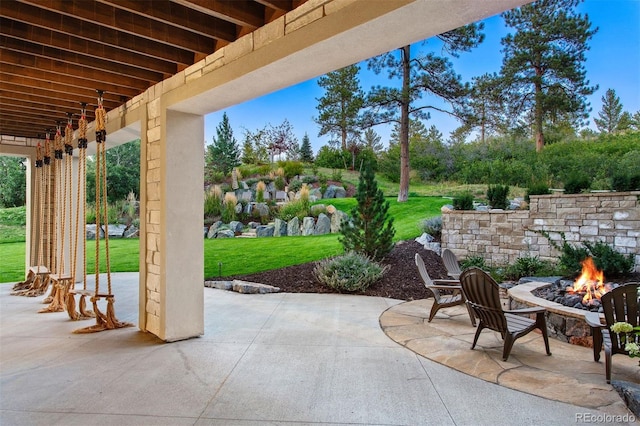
x=294, y=359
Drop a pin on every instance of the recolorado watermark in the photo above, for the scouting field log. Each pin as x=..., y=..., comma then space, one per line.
x=604, y=418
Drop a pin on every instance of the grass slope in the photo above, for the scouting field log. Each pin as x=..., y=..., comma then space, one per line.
x=241, y=256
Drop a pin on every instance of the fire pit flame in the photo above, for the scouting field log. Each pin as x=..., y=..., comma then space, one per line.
x=590, y=283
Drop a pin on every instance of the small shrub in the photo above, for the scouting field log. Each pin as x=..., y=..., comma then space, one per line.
x=463, y=202
x=229, y=208
x=322, y=178
x=314, y=169
x=292, y=168
x=304, y=197
x=292, y=209
x=476, y=260
x=606, y=258
x=432, y=226
x=624, y=180
x=497, y=196
x=538, y=188
x=350, y=272
x=309, y=179
x=217, y=177
x=90, y=213
x=336, y=175
x=213, y=202
x=279, y=183
x=528, y=266
x=576, y=183
x=295, y=185
x=264, y=169
x=260, y=188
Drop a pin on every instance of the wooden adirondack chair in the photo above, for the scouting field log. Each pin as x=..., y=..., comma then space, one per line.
x=451, y=263
x=440, y=288
x=483, y=295
x=619, y=305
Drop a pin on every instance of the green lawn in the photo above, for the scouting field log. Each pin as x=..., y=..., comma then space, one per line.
x=241, y=256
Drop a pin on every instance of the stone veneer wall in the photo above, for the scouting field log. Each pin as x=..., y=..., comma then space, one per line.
x=503, y=236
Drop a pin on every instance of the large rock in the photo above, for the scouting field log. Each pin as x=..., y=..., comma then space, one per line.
x=238, y=208
x=225, y=233
x=280, y=228
x=340, y=192
x=265, y=231
x=293, y=227
x=323, y=225
x=115, y=231
x=315, y=192
x=236, y=226
x=336, y=220
x=330, y=192
x=308, y=225
x=262, y=209
x=214, y=228
x=90, y=231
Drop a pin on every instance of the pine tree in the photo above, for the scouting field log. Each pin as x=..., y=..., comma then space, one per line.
x=429, y=74
x=543, y=67
x=611, y=113
x=222, y=156
x=370, y=230
x=339, y=109
x=306, y=153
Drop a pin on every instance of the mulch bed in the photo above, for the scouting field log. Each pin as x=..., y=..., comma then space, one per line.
x=401, y=281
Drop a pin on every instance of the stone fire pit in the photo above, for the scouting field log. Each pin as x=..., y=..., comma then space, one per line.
x=563, y=323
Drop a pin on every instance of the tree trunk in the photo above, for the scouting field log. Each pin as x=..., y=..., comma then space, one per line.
x=537, y=119
x=403, y=191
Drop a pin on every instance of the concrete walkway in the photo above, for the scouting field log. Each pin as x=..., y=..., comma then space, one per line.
x=285, y=359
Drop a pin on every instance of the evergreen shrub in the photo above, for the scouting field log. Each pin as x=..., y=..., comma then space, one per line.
x=576, y=183
x=350, y=272
x=497, y=196
x=463, y=201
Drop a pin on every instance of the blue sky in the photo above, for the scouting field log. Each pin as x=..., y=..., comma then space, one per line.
x=613, y=61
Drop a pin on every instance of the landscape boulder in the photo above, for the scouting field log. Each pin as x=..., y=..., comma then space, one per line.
x=293, y=227
x=308, y=225
x=323, y=225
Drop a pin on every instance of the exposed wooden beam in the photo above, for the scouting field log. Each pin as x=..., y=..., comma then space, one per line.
x=24, y=107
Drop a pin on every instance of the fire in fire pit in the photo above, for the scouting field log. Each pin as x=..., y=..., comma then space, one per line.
x=590, y=284
x=583, y=293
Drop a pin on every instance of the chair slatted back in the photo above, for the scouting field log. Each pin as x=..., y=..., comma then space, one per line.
x=428, y=282
x=483, y=295
x=451, y=262
x=621, y=305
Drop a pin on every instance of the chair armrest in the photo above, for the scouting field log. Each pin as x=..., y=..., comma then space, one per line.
x=445, y=287
x=593, y=320
x=445, y=281
x=524, y=311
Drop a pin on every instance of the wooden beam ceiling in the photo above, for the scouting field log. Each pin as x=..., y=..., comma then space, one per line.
x=55, y=54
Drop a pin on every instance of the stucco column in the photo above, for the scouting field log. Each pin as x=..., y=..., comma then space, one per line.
x=172, y=276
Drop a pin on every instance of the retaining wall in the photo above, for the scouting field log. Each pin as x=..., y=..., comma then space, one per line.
x=503, y=236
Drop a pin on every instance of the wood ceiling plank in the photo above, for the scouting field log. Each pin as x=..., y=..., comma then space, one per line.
x=174, y=14
x=24, y=107
x=72, y=58
x=244, y=13
x=70, y=85
x=48, y=97
x=116, y=19
x=93, y=32
x=47, y=37
x=57, y=67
